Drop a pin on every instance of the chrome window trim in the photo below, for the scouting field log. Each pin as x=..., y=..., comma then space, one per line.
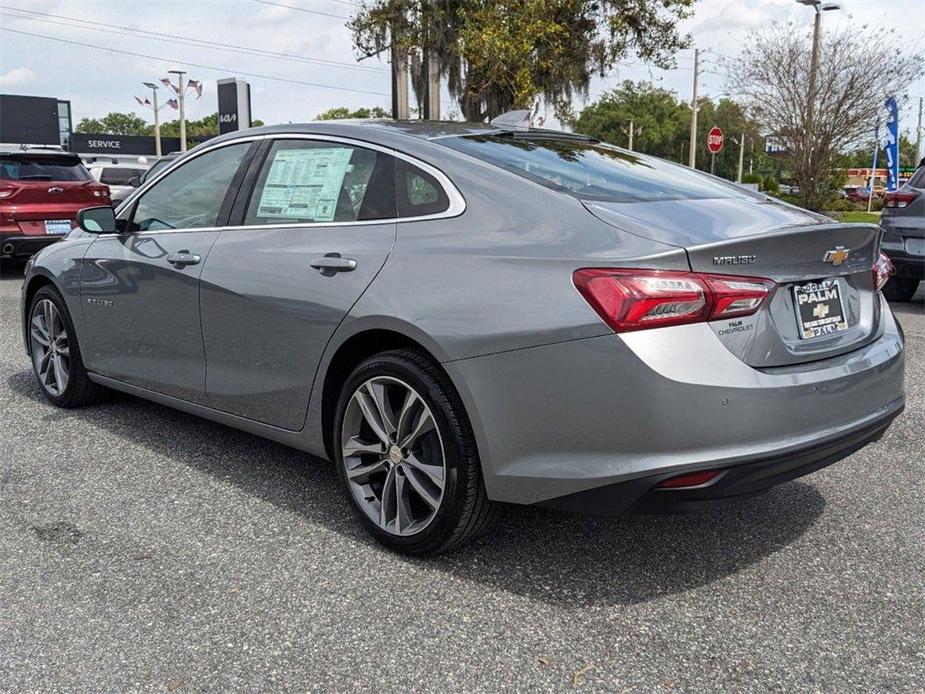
x=457, y=201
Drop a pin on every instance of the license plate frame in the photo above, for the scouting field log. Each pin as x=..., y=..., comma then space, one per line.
x=815, y=305
x=57, y=227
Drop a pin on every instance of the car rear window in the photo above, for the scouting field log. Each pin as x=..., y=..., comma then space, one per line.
x=42, y=168
x=918, y=178
x=590, y=170
x=119, y=176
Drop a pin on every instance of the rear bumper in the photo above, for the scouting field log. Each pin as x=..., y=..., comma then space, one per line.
x=895, y=244
x=555, y=421
x=907, y=266
x=20, y=246
x=743, y=479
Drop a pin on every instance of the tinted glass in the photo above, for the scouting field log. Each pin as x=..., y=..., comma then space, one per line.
x=918, y=178
x=43, y=168
x=313, y=181
x=592, y=171
x=419, y=193
x=119, y=176
x=191, y=196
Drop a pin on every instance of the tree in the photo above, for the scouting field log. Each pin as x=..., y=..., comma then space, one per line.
x=343, y=112
x=656, y=113
x=855, y=75
x=130, y=124
x=665, y=125
x=498, y=55
x=114, y=124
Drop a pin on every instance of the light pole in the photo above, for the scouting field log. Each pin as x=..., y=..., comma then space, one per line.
x=157, y=120
x=180, y=94
x=819, y=6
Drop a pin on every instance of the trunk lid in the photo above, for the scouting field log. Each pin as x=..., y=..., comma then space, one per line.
x=750, y=237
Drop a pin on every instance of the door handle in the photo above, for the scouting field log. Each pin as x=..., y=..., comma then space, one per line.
x=183, y=258
x=332, y=263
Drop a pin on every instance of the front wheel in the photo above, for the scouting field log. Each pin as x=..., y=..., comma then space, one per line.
x=55, y=353
x=406, y=455
x=900, y=288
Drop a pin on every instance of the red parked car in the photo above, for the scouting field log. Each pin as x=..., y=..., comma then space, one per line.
x=41, y=192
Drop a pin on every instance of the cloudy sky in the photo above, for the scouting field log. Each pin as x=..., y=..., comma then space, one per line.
x=99, y=59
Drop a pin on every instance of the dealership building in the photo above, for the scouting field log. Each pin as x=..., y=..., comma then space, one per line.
x=37, y=121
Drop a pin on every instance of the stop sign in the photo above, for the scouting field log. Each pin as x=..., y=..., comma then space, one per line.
x=715, y=140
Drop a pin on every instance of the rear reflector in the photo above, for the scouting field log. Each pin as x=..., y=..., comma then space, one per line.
x=883, y=270
x=640, y=299
x=692, y=479
x=899, y=200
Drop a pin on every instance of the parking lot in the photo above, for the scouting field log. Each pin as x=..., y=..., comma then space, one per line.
x=145, y=549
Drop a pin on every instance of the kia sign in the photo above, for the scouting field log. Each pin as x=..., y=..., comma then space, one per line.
x=234, y=105
x=715, y=140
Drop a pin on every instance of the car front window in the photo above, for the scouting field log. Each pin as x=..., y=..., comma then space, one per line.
x=191, y=196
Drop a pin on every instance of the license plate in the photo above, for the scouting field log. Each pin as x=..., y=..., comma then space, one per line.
x=57, y=226
x=819, y=309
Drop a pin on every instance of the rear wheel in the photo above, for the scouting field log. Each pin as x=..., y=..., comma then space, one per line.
x=56, y=358
x=900, y=288
x=406, y=455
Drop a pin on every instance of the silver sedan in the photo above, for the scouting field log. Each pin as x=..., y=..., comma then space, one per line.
x=459, y=315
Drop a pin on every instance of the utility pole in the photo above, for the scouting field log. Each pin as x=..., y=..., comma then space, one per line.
x=180, y=94
x=918, y=137
x=741, y=157
x=631, y=136
x=431, y=105
x=692, y=153
x=400, y=109
x=157, y=120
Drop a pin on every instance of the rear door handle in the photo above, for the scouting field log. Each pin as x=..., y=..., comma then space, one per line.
x=183, y=258
x=332, y=263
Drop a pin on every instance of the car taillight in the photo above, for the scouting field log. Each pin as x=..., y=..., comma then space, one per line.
x=883, y=270
x=899, y=200
x=641, y=299
x=100, y=191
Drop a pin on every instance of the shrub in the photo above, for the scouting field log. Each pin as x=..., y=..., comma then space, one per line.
x=753, y=178
x=770, y=185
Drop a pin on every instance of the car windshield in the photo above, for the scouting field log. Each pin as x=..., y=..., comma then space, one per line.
x=590, y=170
x=42, y=168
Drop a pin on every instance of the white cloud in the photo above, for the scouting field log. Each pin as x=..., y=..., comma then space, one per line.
x=17, y=77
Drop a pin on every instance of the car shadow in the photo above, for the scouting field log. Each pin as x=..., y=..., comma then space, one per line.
x=545, y=555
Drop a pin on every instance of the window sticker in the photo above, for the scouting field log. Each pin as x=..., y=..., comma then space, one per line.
x=305, y=184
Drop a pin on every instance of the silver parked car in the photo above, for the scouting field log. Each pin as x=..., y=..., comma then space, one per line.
x=461, y=314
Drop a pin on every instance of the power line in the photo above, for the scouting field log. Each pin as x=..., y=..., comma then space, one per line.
x=160, y=36
x=301, y=9
x=190, y=64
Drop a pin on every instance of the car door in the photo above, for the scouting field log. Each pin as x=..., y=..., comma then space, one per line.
x=316, y=226
x=140, y=286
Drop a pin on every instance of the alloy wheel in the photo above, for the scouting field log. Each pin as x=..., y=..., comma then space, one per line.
x=51, y=355
x=393, y=455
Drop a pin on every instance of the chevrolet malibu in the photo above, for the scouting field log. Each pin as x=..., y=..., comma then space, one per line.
x=459, y=315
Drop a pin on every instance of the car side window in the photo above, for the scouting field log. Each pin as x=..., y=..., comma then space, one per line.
x=305, y=181
x=190, y=197
x=418, y=192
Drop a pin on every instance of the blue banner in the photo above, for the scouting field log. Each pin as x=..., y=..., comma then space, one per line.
x=892, y=145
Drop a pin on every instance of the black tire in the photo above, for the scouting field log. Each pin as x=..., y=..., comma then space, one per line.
x=465, y=510
x=900, y=288
x=80, y=390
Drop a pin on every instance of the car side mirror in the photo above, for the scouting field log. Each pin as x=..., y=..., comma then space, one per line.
x=97, y=220
x=134, y=181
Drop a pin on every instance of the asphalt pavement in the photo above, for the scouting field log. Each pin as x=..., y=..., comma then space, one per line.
x=142, y=549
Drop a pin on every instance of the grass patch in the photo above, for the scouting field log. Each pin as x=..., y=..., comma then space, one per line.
x=856, y=216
